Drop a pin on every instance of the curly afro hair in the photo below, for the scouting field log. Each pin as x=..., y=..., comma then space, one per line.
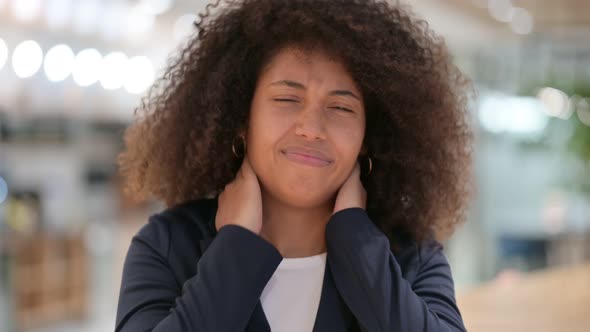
x=417, y=129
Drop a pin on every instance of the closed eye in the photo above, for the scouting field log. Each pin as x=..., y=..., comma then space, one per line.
x=286, y=100
x=342, y=109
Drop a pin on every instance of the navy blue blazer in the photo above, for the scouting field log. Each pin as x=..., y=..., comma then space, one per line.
x=180, y=274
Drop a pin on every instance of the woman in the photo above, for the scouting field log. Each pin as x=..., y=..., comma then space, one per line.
x=261, y=139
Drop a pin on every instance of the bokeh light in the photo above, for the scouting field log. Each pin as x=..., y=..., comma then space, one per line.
x=510, y=114
x=140, y=75
x=555, y=102
x=522, y=21
x=59, y=63
x=87, y=66
x=27, y=58
x=501, y=10
x=113, y=70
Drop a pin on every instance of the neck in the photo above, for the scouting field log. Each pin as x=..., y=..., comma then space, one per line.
x=294, y=231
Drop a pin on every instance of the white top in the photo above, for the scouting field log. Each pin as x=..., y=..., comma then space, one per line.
x=291, y=297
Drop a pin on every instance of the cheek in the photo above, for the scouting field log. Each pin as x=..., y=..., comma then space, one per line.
x=264, y=131
x=263, y=135
x=348, y=144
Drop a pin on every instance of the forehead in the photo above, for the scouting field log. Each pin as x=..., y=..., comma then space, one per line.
x=305, y=66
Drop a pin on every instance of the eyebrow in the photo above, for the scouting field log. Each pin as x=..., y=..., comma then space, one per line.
x=297, y=85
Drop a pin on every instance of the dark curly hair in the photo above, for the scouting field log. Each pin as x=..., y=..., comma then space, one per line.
x=417, y=129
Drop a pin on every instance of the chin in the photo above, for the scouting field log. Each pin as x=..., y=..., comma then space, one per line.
x=301, y=191
x=305, y=198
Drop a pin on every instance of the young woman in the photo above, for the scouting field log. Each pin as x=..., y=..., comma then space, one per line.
x=307, y=151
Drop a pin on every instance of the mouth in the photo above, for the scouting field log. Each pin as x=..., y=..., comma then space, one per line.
x=306, y=157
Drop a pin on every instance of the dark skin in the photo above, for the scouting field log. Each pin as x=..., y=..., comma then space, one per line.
x=301, y=99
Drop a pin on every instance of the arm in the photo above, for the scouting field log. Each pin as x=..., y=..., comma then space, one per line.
x=370, y=279
x=220, y=297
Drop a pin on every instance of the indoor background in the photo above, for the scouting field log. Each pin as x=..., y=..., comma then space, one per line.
x=71, y=73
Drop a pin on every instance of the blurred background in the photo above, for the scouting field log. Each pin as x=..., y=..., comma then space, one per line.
x=71, y=73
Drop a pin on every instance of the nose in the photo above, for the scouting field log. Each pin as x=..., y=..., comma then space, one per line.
x=310, y=123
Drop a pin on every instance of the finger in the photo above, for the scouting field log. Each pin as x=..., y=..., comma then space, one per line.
x=243, y=169
x=247, y=168
x=356, y=171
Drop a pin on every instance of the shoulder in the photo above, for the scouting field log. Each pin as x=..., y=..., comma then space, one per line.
x=181, y=225
x=415, y=256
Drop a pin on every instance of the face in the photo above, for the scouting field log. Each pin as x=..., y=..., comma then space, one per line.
x=306, y=127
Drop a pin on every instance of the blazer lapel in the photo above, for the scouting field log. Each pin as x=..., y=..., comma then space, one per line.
x=333, y=314
x=258, y=321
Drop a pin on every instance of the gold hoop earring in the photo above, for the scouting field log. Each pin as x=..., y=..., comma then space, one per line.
x=233, y=146
x=370, y=165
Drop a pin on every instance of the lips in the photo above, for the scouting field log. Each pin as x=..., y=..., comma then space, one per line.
x=307, y=156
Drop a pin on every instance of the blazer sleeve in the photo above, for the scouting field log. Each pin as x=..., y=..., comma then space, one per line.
x=231, y=275
x=370, y=279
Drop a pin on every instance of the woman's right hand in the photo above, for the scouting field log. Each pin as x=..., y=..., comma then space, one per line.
x=240, y=202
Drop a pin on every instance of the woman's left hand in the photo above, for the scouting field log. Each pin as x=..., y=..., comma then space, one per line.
x=352, y=193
